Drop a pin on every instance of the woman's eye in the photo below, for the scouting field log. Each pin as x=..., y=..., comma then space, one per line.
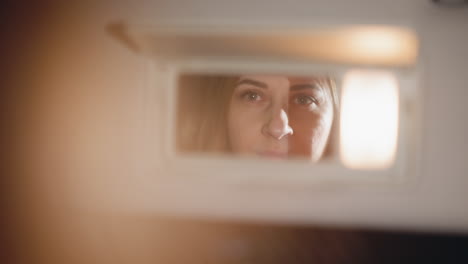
x=304, y=100
x=251, y=96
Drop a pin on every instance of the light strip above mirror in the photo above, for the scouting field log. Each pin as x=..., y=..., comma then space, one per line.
x=372, y=45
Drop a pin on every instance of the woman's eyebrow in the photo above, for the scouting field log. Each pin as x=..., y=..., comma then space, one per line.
x=298, y=87
x=252, y=82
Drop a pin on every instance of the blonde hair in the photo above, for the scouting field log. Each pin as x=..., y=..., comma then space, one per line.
x=201, y=112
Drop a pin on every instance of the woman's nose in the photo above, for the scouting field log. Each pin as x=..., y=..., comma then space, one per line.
x=278, y=125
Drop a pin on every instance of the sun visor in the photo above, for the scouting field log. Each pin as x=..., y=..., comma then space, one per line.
x=369, y=45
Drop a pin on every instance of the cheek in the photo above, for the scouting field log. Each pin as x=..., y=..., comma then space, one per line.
x=244, y=129
x=311, y=132
x=321, y=132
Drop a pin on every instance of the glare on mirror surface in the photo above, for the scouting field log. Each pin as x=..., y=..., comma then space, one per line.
x=369, y=119
x=264, y=116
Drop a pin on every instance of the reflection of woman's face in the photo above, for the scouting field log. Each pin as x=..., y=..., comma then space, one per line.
x=279, y=116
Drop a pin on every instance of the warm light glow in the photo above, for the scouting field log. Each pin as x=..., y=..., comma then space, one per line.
x=379, y=44
x=369, y=119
